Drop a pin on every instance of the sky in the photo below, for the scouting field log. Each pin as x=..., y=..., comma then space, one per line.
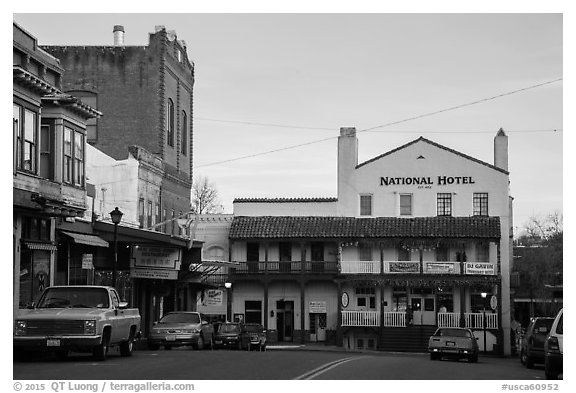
x=268, y=82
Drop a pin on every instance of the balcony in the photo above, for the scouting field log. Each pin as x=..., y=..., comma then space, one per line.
x=414, y=267
x=471, y=320
x=398, y=319
x=289, y=267
x=361, y=318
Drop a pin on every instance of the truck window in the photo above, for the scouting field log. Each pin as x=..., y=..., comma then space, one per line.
x=74, y=297
x=115, y=300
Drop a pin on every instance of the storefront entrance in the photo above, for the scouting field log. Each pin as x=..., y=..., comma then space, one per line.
x=285, y=320
x=423, y=304
x=317, y=327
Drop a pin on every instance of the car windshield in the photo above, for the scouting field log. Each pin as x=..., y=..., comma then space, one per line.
x=252, y=328
x=73, y=297
x=229, y=328
x=453, y=333
x=180, y=318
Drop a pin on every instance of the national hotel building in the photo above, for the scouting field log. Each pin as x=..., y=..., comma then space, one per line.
x=418, y=237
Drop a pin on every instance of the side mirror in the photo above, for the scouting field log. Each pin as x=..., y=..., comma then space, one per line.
x=123, y=305
x=204, y=323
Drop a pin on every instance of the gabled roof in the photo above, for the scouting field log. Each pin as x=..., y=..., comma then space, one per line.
x=309, y=227
x=422, y=139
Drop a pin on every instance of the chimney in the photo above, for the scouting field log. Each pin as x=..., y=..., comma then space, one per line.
x=347, y=162
x=118, y=35
x=501, y=150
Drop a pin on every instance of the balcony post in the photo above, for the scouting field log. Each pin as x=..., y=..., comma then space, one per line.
x=266, y=245
x=302, y=313
x=302, y=257
x=339, y=337
x=266, y=303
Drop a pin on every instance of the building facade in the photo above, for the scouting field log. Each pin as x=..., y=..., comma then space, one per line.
x=418, y=237
x=146, y=93
x=49, y=185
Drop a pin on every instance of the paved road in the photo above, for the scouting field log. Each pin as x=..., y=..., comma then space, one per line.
x=186, y=364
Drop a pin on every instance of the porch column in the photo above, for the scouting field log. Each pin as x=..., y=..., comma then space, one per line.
x=381, y=330
x=266, y=303
x=462, y=306
x=302, y=257
x=339, y=315
x=302, y=313
x=503, y=339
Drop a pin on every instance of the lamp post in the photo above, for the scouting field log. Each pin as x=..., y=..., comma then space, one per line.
x=116, y=216
x=484, y=294
x=228, y=286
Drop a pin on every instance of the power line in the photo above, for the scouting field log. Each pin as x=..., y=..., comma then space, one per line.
x=252, y=123
x=371, y=129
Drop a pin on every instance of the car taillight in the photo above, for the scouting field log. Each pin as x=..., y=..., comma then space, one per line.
x=553, y=345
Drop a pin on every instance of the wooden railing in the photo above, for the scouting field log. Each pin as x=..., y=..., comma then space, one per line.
x=476, y=320
x=448, y=319
x=360, y=267
x=280, y=267
x=395, y=319
x=360, y=318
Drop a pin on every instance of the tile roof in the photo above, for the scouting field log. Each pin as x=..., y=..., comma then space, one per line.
x=284, y=200
x=286, y=227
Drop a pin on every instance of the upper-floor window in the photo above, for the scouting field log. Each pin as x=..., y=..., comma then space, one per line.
x=444, y=204
x=149, y=215
x=25, y=123
x=365, y=205
x=442, y=252
x=405, y=204
x=480, y=204
x=170, y=122
x=364, y=252
x=158, y=227
x=482, y=252
x=141, y=212
x=46, y=152
x=184, y=144
x=73, y=165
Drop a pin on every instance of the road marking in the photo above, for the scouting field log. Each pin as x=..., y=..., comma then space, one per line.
x=326, y=367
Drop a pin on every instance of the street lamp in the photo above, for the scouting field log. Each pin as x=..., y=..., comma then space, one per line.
x=228, y=286
x=484, y=294
x=116, y=216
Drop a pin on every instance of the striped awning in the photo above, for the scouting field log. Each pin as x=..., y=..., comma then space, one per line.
x=40, y=246
x=90, y=240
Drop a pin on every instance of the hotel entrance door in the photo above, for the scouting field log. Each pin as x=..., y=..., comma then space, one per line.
x=424, y=310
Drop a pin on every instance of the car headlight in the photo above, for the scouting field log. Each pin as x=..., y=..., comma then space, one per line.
x=90, y=327
x=196, y=330
x=20, y=328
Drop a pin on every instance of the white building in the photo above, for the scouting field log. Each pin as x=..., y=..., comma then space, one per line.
x=418, y=237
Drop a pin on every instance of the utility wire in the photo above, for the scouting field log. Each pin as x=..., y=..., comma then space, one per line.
x=371, y=129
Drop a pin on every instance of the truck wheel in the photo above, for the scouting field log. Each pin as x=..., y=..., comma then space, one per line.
x=99, y=352
x=127, y=346
x=200, y=343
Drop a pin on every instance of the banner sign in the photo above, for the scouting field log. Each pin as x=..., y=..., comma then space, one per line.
x=317, y=307
x=480, y=268
x=404, y=267
x=211, y=297
x=154, y=274
x=440, y=268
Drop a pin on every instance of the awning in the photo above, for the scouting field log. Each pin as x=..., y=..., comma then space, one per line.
x=40, y=246
x=91, y=240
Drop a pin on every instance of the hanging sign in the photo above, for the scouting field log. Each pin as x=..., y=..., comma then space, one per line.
x=479, y=268
x=345, y=299
x=493, y=302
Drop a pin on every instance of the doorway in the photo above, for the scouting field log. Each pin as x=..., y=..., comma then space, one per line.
x=317, y=327
x=285, y=320
x=423, y=309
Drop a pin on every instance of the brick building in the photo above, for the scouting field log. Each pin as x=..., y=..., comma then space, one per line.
x=146, y=93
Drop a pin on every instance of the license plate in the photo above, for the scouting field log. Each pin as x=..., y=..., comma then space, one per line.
x=450, y=343
x=53, y=342
x=170, y=338
x=218, y=341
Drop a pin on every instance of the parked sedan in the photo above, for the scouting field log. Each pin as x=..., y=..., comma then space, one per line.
x=228, y=336
x=181, y=328
x=532, y=346
x=453, y=342
x=554, y=349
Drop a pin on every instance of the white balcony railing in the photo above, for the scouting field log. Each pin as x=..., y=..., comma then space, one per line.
x=360, y=318
x=475, y=320
x=395, y=319
x=360, y=267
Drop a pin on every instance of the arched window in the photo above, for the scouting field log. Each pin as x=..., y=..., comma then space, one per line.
x=184, y=144
x=170, y=122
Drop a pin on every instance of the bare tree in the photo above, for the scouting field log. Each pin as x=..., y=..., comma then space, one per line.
x=205, y=199
x=538, y=228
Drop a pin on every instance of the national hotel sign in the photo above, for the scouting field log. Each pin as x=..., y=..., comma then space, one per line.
x=425, y=181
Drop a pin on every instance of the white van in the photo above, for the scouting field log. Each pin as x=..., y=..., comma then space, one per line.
x=553, y=349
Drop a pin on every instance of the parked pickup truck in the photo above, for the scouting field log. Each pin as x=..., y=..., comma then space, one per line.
x=77, y=318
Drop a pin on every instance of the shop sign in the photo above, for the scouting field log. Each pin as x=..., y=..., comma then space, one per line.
x=345, y=299
x=211, y=297
x=87, y=261
x=155, y=262
x=318, y=307
x=440, y=268
x=154, y=274
x=404, y=267
x=493, y=302
x=479, y=268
